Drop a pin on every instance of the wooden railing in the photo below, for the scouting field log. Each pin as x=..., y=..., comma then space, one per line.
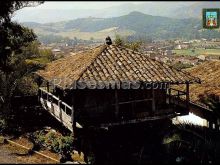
x=53, y=99
x=179, y=93
x=59, y=109
x=196, y=108
x=179, y=97
x=178, y=100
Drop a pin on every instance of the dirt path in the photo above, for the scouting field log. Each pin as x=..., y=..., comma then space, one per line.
x=9, y=154
x=6, y=156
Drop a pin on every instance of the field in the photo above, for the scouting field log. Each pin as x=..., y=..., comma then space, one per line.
x=96, y=35
x=197, y=52
x=99, y=35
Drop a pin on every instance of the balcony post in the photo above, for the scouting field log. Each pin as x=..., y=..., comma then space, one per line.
x=73, y=119
x=73, y=116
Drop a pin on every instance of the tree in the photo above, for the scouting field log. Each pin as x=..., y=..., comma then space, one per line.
x=127, y=42
x=134, y=45
x=118, y=40
x=9, y=7
x=13, y=38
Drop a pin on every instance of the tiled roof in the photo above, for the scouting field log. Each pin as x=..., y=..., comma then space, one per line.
x=112, y=63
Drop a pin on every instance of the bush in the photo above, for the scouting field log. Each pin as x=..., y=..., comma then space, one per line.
x=27, y=87
x=55, y=141
x=66, y=143
x=39, y=138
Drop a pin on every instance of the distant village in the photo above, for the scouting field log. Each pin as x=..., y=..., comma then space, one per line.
x=173, y=52
x=176, y=51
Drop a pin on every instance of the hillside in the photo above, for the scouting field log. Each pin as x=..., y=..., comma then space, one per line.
x=209, y=73
x=195, y=10
x=136, y=21
x=133, y=23
x=170, y=9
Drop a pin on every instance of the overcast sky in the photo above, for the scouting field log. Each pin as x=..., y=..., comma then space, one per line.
x=55, y=11
x=80, y=4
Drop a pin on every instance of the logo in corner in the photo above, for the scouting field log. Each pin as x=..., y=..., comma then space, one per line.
x=211, y=18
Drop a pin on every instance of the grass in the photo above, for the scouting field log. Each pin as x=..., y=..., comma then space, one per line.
x=197, y=52
x=100, y=35
x=96, y=35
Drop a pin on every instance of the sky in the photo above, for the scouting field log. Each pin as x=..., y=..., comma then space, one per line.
x=55, y=11
x=80, y=4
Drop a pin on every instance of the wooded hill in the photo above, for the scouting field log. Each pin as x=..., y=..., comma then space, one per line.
x=135, y=23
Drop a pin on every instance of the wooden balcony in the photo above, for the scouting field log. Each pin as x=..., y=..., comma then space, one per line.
x=176, y=105
x=57, y=108
x=113, y=115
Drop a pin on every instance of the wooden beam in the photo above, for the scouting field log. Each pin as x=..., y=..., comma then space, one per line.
x=153, y=101
x=116, y=104
x=133, y=101
x=133, y=121
x=179, y=91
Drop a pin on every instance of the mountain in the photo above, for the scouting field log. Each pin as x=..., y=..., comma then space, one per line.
x=195, y=10
x=55, y=15
x=134, y=22
x=170, y=9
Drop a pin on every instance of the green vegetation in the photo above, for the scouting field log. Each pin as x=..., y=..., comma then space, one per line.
x=13, y=67
x=3, y=125
x=36, y=56
x=70, y=38
x=180, y=66
x=119, y=41
x=135, y=23
x=55, y=142
x=48, y=39
x=123, y=41
x=196, y=52
x=186, y=52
